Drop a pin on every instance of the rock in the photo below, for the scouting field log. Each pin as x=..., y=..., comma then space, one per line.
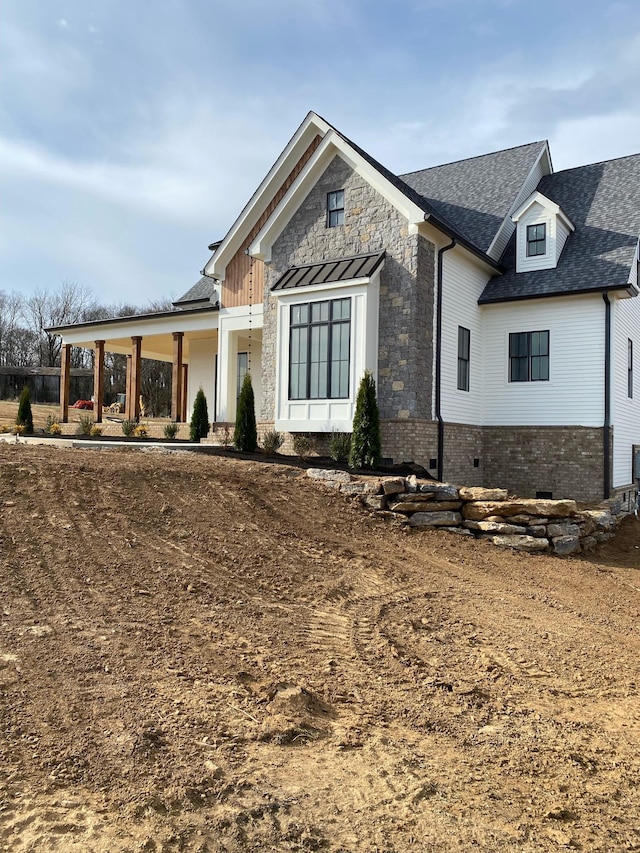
x=411, y=483
x=460, y=530
x=435, y=519
x=407, y=506
x=563, y=545
x=479, y=494
x=365, y=487
x=330, y=476
x=395, y=516
x=588, y=543
x=587, y=524
x=495, y=527
x=414, y=496
x=602, y=518
x=601, y=536
x=479, y=510
x=441, y=491
x=431, y=506
x=373, y=501
x=537, y=530
x=564, y=528
x=520, y=543
x=393, y=487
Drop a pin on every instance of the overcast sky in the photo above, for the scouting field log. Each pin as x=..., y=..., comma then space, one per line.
x=132, y=132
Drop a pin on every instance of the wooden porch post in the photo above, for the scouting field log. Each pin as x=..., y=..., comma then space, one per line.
x=176, y=378
x=185, y=386
x=98, y=381
x=127, y=400
x=136, y=371
x=65, y=382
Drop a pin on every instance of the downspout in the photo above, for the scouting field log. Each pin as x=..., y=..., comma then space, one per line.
x=438, y=394
x=606, y=438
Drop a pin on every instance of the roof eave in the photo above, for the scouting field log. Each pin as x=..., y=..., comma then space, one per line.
x=628, y=288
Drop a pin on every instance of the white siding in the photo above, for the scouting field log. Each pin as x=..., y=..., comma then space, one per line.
x=562, y=232
x=506, y=229
x=625, y=415
x=463, y=284
x=536, y=215
x=574, y=393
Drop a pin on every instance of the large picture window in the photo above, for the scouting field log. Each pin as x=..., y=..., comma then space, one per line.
x=528, y=356
x=319, y=342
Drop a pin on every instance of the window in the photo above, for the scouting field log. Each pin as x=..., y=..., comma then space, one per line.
x=464, y=339
x=629, y=368
x=243, y=367
x=319, y=350
x=528, y=356
x=536, y=240
x=335, y=208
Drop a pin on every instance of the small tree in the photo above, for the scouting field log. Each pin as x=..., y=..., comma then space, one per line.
x=245, y=436
x=25, y=417
x=365, y=449
x=199, y=426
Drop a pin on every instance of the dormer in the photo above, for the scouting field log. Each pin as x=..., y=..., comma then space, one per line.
x=542, y=229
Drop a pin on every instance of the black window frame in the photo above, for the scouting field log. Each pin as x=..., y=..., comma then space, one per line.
x=529, y=356
x=629, y=368
x=335, y=208
x=331, y=322
x=536, y=241
x=464, y=358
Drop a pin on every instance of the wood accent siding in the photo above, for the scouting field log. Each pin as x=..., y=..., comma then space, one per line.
x=244, y=277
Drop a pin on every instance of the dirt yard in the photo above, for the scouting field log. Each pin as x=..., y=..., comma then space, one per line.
x=204, y=654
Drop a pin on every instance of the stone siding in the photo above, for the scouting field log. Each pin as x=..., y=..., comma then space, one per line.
x=371, y=224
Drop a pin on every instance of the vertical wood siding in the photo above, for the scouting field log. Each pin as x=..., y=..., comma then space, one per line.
x=244, y=277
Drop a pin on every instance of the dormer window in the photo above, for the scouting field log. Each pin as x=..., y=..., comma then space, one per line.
x=335, y=208
x=536, y=240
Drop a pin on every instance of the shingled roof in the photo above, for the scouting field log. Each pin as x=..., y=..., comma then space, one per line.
x=476, y=194
x=603, y=202
x=202, y=291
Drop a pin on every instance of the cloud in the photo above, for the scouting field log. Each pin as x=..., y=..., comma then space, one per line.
x=62, y=24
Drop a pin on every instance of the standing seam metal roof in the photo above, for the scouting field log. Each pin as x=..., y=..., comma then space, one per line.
x=327, y=272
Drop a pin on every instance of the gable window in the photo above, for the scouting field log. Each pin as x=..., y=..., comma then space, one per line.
x=536, y=240
x=464, y=340
x=629, y=368
x=528, y=356
x=335, y=208
x=319, y=350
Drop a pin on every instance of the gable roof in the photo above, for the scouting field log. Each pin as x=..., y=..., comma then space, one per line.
x=477, y=194
x=202, y=291
x=603, y=202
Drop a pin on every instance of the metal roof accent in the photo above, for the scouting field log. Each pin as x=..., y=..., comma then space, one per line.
x=329, y=272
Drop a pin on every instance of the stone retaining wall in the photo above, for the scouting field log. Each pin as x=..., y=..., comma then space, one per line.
x=556, y=526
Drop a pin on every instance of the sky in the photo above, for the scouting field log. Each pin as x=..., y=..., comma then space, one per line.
x=133, y=132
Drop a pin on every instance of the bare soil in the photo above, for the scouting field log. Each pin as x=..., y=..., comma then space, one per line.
x=207, y=654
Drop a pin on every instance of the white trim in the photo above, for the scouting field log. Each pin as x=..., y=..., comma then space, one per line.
x=543, y=201
x=332, y=285
x=332, y=144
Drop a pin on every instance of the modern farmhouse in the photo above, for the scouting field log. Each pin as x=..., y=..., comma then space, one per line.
x=494, y=301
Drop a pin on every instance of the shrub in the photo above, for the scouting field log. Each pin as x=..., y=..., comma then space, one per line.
x=141, y=431
x=272, y=441
x=199, y=426
x=49, y=423
x=128, y=427
x=85, y=425
x=245, y=436
x=18, y=429
x=339, y=446
x=365, y=440
x=55, y=429
x=25, y=417
x=4, y=428
x=304, y=445
x=170, y=430
x=96, y=430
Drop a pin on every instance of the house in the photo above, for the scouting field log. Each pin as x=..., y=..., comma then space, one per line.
x=494, y=300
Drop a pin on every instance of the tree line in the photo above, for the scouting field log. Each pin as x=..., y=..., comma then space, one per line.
x=24, y=341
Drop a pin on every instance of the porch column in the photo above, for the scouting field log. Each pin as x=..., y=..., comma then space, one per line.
x=185, y=386
x=136, y=375
x=127, y=400
x=176, y=378
x=65, y=382
x=98, y=381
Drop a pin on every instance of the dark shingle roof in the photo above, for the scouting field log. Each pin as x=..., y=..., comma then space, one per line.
x=603, y=202
x=201, y=291
x=476, y=194
x=343, y=269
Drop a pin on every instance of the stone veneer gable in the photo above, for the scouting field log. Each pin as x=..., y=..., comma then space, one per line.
x=371, y=224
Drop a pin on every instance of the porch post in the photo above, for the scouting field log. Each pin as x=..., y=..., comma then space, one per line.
x=98, y=381
x=185, y=386
x=176, y=378
x=65, y=382
x=136, y=375
x=127, y=399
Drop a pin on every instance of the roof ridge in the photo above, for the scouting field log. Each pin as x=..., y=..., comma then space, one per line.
x=475, y=157
x=597, y=163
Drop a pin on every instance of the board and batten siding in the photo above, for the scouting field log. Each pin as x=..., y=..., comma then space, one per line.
x=574, y=394
x=625, y=414
x=506, y=229
x=463, y=281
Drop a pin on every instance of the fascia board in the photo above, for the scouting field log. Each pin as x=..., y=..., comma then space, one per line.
x=331, y=145
x=539, y=198
x=312, y=126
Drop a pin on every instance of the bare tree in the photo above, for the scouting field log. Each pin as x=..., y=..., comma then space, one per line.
x=46, y=308
x=15, y=346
